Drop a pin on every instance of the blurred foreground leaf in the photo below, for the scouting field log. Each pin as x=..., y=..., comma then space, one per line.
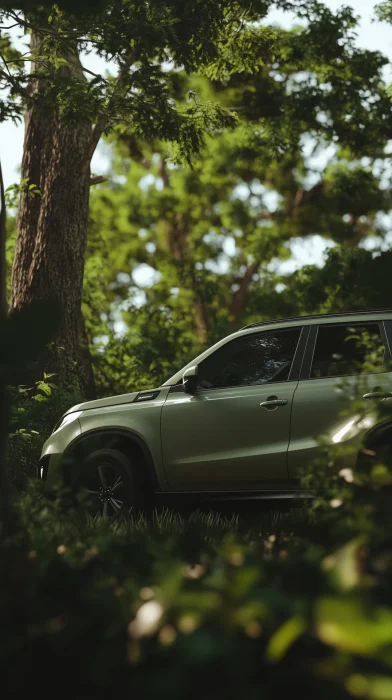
x=347, y=624
x=284, y=638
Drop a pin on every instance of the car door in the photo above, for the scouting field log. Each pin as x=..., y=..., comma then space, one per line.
x=336, y=370
x=233, y=432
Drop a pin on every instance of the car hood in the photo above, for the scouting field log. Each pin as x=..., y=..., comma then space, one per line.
x=101, y=403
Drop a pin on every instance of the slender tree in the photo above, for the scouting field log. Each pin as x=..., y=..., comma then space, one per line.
x=5, y=500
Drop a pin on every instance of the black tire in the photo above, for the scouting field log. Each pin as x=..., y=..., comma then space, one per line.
x=110, y=478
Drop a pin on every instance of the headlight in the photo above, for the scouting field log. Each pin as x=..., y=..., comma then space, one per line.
x=67, y=419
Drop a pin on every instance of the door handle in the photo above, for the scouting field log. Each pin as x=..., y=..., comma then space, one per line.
x=378, y=395
x=273, y=402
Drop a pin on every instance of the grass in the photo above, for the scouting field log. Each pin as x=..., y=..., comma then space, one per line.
x=213, y=523
x=204, y=524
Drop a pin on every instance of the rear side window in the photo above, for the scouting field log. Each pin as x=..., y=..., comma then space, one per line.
x=348, y=349
x=255, y=358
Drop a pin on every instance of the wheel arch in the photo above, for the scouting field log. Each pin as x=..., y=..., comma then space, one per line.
x=124, y=439
x=377, y=433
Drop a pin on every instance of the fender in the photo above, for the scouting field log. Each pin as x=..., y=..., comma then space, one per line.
x=119, y=432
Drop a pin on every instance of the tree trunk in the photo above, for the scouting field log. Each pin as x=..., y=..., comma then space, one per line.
x=86, y=375
x=5, y=494
x=52, y=228
x=238, y=302
x=201, y=320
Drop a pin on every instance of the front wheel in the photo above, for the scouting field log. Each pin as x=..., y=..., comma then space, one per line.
x=109, y=479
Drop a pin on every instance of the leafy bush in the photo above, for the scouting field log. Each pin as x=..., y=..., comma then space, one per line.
x=34, y=412
x=198, y=606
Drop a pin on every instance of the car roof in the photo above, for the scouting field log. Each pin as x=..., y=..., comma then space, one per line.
x=320, y=317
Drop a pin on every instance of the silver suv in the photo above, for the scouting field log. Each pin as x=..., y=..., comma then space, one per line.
x=236, y=422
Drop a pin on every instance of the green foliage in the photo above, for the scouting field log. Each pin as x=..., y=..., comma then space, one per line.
x=34, y=412
x=246, y=51
x=138, y=38
x=210, y=234
x=146, y=357
x=75, y=7
x=225, y=39
x=345, y=283
x=384, y=10
x=177, y=604
x=13, y=192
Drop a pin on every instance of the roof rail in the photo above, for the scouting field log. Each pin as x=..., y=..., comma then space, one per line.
x=302, y=318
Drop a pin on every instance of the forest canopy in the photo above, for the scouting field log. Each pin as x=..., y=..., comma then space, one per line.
x=231, y=140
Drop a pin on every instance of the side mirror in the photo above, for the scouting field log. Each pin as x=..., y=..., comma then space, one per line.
x=189, y=380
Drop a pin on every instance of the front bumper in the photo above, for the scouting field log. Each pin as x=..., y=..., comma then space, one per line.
x=49, y=470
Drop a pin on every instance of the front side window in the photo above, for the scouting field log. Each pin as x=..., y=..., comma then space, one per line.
x=255, y=358
x=348, y=349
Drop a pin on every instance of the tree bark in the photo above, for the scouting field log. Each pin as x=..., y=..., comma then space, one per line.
x=238, y=302
x=52, y=228
x=86, y=375
x=5, y=492
x=201, y=319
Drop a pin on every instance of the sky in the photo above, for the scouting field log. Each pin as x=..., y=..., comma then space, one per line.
x=371, y=35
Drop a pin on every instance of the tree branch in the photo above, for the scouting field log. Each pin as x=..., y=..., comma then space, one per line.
x=43, y=30
x=97, y=179
x=163, y=173
x=303, y=197
x=11, y=26
x=96, y=75
x=239, y=297
x=6, y=64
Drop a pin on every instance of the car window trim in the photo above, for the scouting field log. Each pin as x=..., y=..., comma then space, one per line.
x=309, y=352
x=239, y=386
x=295, y=371
x=311, y=346
x=384, y=334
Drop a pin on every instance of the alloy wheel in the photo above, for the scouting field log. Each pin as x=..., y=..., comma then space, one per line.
x=107, y=490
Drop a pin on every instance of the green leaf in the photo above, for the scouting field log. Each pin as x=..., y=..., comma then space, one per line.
x=39, y=397
x=344, y=565
x=349, y=625
x=283, y=639
x=45, y=388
